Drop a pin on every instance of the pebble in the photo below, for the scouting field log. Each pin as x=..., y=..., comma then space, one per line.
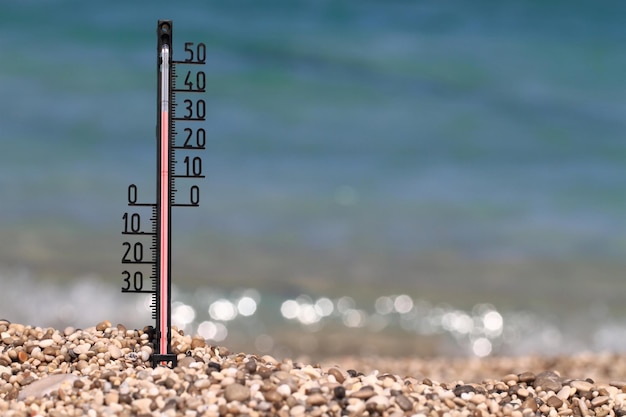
x=316, y=399
x=403, y=402
x=251, y=366
x=554, y=401
x=548, y=380
x=618, y=384
x=115, y=352
x=236, y=392
x=337, y=374
x=530, y=403
x=378, y=402
x=526, y=377
x=103, y=325
x=581, y=386
x=186, y=362
x=339, y=392
x=297, y=410
x=112, y=397
x=142, y=405
x=582, y=406
x=46, y=343
x=81, y=349
x=106, y=370
x=564, y=393
x=284, y=390
x=600, y=401
x=364, y=393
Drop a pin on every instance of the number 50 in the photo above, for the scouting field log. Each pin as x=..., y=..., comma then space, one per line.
x=200, y=52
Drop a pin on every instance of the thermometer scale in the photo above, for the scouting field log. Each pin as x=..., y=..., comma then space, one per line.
x=181, y=112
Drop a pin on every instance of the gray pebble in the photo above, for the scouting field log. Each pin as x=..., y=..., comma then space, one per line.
x=403, y=402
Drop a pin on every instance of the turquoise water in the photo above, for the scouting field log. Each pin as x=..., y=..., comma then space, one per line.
x=347, y=141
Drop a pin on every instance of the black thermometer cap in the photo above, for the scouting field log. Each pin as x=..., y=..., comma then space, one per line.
x=164, y=33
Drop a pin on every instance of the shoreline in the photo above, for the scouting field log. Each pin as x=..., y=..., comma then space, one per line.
x=392, y=325
x=44, y=371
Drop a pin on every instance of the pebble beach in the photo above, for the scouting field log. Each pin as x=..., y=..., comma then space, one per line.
x=106, y=371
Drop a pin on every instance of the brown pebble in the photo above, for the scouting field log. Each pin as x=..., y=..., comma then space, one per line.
x=316, y=399
x=511, y=378
x=364, y=393
x=186, y=361
x=251, y=366
x=12, y=394
x=581, y=386
x=125, y=399
x=548, y=380
x=339, y=377
x=111, y=397
x=264, y=371
x=501, y=387
x=554, y=401
x=142, y=405
x=103, y=325
x=222, y=351
x=197, y=342
x=530, y=403
x=272, y=396
x=526, y=377
x=455, y=402
x=600, y=401
x=522, y=392
x=478, y=399
x=582, y=406
x=27, y=380
x=22, y=356
x=5, y=360
x=236, y=392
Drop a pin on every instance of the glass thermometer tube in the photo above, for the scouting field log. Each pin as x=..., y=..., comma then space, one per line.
x=164, y=199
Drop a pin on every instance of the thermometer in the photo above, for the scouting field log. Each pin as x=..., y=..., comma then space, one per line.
x=181, y=112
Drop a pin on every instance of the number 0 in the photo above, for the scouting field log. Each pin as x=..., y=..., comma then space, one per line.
x=132, y=194
x=194, y=195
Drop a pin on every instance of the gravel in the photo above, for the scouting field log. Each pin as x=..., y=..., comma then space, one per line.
x=105, y=371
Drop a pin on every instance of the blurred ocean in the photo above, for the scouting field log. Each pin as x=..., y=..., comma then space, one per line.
x=445, y=175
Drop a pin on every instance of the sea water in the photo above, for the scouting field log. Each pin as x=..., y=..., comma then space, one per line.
x=468, y=156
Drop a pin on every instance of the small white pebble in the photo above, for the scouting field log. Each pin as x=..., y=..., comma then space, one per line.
x=283, y=390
